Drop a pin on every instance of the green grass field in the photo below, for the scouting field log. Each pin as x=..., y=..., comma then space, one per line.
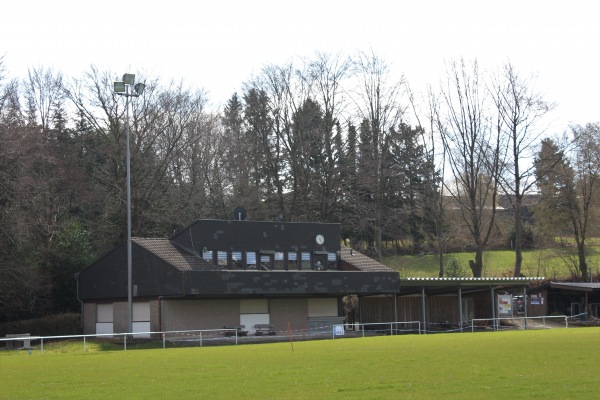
x=550, y=364
x=547, y=263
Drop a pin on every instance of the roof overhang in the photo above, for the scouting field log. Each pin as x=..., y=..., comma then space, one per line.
x=451, y=285
x=577, y=286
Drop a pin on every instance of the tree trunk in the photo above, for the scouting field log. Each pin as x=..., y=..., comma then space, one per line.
x=477, y=265
x=518, y=236
x=582, y=260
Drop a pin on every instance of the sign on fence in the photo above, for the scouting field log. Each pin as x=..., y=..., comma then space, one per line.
x=504, y=305
x=338, y=330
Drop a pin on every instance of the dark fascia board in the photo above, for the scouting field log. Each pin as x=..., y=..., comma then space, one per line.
x=224, y=235
x=288, y=284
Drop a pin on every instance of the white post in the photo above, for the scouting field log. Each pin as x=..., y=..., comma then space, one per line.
x=460, y=310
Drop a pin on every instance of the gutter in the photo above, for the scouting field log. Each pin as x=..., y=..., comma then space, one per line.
x=76, y=276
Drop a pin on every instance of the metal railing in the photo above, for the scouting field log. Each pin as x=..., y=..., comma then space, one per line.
x=187, y=335
x=523, y=322
x=225, y=336
x=392, y=328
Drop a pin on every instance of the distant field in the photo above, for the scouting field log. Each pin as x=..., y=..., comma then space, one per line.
x=497, y=263
x=551, y=364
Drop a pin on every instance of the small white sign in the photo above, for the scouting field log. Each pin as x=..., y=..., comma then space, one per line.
x=338, y=330
x=504, y=305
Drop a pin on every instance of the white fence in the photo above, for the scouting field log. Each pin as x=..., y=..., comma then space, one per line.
x=201, y=337
x=510, y=323
x=227, y=336
x=388, y=328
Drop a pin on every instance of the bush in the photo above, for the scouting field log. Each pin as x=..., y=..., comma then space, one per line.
x=51, y=325
x=454, y=269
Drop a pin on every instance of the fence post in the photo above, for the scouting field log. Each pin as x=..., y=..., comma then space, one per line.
x=84, y=349
x=163, y=339
x=125, y=341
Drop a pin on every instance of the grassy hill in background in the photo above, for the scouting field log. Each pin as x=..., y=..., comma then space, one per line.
x=548, y=263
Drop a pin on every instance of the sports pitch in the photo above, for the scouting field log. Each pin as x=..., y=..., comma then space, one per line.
x=548, y=364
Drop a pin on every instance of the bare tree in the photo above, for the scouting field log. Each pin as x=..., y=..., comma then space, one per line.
x=162, y=124
x=586, y=162
x=472, y=144
x=22, y=285
x=440, y=230
x=521, y=110
x=44, y=92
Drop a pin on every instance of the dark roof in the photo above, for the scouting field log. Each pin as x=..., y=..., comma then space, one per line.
x=362, y=262
x=186, y=261
x=173, y=255
x=579, y=286
x=450, y=285
x=161, y=268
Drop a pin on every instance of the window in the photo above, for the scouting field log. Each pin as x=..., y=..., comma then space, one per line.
x=254, y=311
x=306, y=260
x=141, y=319
x=104, y=318
x=293, y=263
x=267, y=260
x=279, y=262
x=236, y=260
x=250, y=260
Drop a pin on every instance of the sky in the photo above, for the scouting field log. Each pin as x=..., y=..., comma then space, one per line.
x=219, y=44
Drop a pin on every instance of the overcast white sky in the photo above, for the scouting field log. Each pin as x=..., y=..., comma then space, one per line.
x=218, y=44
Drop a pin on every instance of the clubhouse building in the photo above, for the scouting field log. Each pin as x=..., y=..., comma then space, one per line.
x=285, y=275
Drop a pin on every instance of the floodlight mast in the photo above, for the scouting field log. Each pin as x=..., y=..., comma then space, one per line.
x=123, y=88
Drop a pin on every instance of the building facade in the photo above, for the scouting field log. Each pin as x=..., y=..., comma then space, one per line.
x=217, y=273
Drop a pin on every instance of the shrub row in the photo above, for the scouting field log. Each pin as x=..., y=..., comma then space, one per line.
x=51, y=325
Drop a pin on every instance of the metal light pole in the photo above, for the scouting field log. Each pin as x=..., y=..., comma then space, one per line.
x=123, y=88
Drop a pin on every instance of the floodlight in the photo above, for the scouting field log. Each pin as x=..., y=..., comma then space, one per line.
x=122, y=89
x=119, y=87
x=129, y=79
x=139, y=88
